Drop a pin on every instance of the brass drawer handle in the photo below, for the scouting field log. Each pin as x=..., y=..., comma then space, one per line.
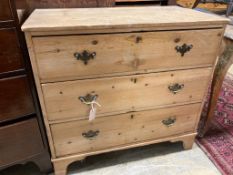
x=184, y=48
x=85, y=56
x=174, y=88
x=169, y=122
x=88, y=99
x=90, y=134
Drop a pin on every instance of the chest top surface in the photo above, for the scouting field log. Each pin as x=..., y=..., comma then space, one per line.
x=118, y=18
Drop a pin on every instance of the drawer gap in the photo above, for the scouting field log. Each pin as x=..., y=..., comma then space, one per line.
x=112, y=33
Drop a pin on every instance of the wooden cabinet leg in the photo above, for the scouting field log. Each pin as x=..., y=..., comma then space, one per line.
x=61, y=166
x=44, y=163
x=188, y=142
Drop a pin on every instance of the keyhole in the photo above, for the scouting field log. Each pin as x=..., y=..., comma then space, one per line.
x=177, y=40
x=138, y=39
x=134, y=80
x=132, y=116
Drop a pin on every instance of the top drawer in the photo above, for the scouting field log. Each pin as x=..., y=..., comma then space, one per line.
x=5, y=11
x=103, y=54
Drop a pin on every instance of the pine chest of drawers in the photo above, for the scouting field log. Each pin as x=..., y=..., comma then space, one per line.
x=148, y=68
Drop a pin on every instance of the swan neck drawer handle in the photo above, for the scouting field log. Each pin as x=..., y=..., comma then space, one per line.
x=85, y=56
x=169, y=122
x=175, y=88
x=90, y=134
x=88, y=99
x=184, y=48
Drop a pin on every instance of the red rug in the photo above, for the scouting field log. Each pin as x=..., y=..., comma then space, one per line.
x=218, y=141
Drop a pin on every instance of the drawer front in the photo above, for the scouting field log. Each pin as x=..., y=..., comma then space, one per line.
x=5, y=11
x=16, y=99
x=20, y=141
x=106, y=132
x=123, y=94
x=10, y=53
x=64, y=57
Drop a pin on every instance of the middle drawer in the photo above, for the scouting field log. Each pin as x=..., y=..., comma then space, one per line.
x=126, y=93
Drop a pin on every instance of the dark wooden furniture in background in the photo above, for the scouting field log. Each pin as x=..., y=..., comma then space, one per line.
x=22, y=137
x=69, y=4
x=30, y=5
x=90, y=3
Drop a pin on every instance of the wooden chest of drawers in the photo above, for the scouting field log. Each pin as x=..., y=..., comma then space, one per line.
x=149, y=75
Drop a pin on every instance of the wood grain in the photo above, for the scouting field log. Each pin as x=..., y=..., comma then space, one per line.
x=68, y=4
x=123, y=53
x=121, y=94
x=5, y=11
x=19, y=141
x=118, y=17
x=16, y=100
x=39, y=91
x=132, y=0
x=138, y=84
x=186, y=3
x=62, y=163
x=61, y=4
x=122, y=129
x=10, y=61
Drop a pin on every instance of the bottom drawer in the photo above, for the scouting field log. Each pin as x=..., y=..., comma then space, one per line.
x=106, y=132
x=19, y=141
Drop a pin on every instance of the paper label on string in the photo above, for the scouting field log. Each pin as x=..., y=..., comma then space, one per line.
x=92, y=114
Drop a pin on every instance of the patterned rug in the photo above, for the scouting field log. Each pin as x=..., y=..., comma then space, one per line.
x=218, y=141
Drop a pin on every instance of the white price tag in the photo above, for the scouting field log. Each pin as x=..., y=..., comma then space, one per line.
x=92, y=113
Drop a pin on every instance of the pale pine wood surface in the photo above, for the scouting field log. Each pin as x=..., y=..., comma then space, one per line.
x=123, y=53
x=121, y=94
x=64, y=114
x=122, y=129
x=62, y=163
x=117, y=17
x=39, y=90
